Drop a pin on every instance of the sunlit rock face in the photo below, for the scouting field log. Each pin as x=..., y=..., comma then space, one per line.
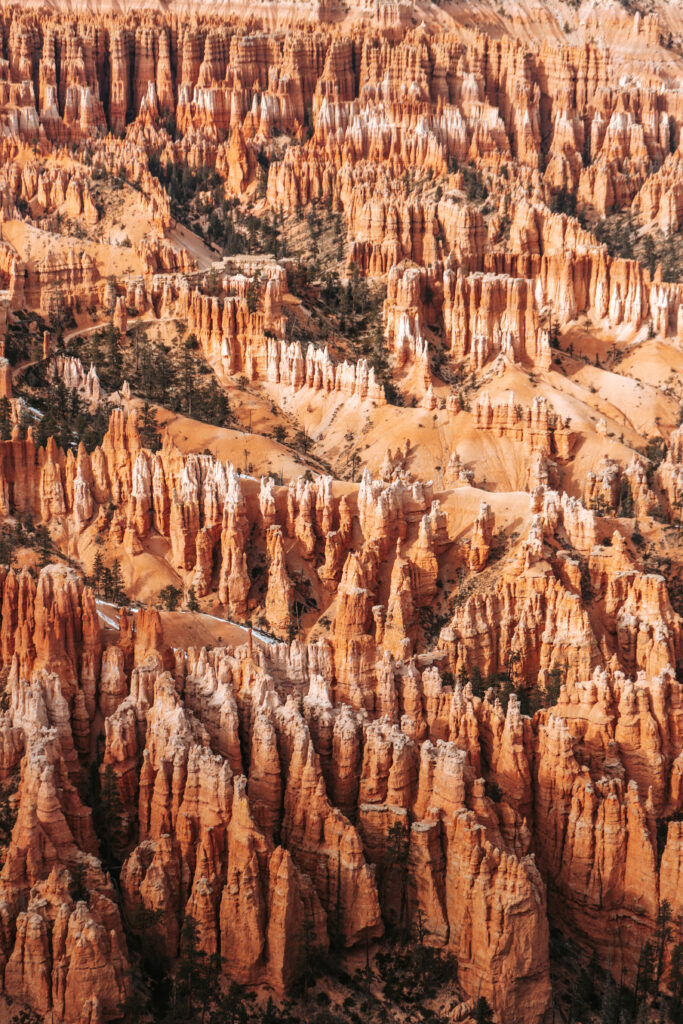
x=341, y=476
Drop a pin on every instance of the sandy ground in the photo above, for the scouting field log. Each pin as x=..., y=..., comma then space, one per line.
x=185, y=629
x=250, y=453
x=186, y=239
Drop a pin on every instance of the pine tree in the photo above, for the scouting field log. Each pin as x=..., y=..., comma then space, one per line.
x=625, y=498
x=582, y=991
x=5, y=419
x=188, y=373
x=230, y=1007
x=398, y=850
x=118, y=587
x=253, y=293
x=483, y=1014
x=106, y=583
x=192, y=602
x=674, y=1002
x=136, y=1005
x=609, y=1011
x=478, y=686
x=649, y=255
x=108, y=819
x=97, y=571
x=26, y=1016
x=79, y=887
x=6, y=549
x=304, y=441
x=662, y=937
x=197, y=988
x=645, y=975
x=148, y=429
x=44, y=544
x=169, y=597
x=114, y=358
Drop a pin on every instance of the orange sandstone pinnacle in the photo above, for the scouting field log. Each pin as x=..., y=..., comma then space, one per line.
x=341, y=477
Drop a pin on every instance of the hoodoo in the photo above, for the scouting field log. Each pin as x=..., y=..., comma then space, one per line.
x=341, y=494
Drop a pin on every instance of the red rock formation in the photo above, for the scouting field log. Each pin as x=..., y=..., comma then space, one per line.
x=267, y=790
x=61, y=967
x=480, y=545
x=279, y=594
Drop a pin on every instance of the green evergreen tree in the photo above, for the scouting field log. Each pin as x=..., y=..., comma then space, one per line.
x=26, y=1016
x=483, y=1014
x=304, y=441
x=197, y=990
x=148, y=429
x=625, y=498
x=107, y=592
x=649, y=255
x=398, y=850
x=553, y=686
x=170, y=597
x=610, y=1008
x=108, y=819
x=97, y=572
x=645, y=975
x=78, y=887
x=6, y=549
x=662, y=937
x=477, y=682
x=188, y=372
x=674, y=1000
x=114, y=358
x=136, y=1005
x=5, y=419
x=582, y=991
x=253, y=293
x=118, y=588
x=44, y=544
x=230, y=1008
